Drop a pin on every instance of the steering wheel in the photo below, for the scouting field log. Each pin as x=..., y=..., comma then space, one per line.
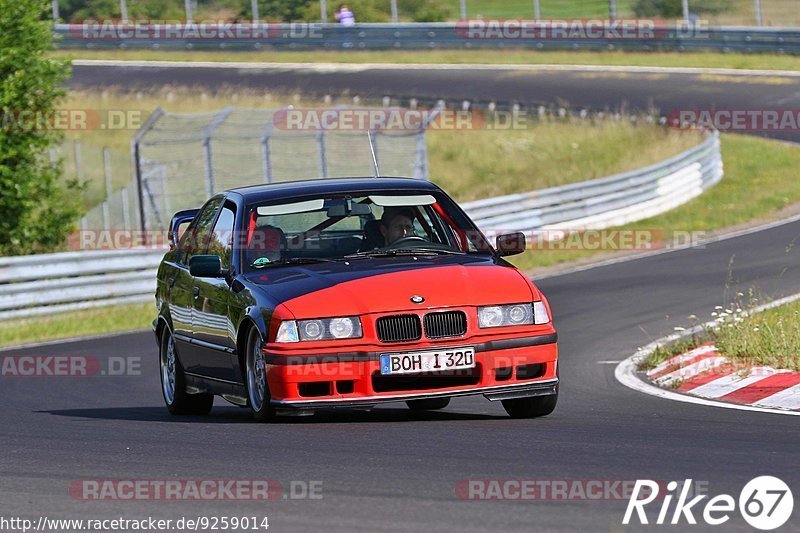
x=405, y=241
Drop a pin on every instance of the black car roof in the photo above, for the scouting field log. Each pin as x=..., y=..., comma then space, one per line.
x=276, y=191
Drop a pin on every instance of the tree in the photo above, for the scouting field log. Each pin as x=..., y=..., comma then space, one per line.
x=38, y=206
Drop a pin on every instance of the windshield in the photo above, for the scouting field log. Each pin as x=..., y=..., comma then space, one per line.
x=342, y=227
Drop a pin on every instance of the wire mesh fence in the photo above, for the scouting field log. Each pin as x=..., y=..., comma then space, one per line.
x=784, y=13
x=183, y=158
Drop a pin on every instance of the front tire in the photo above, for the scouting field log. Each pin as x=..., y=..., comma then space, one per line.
x=430, y=404
x=531, y=407
x=256, y=379
x=173, y=382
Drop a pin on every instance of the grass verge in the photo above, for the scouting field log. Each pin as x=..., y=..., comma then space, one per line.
x=505, y=57
x=760, y=180
x=111, y=319
x=770, y=338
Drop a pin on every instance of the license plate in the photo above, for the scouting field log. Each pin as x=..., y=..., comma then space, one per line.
x=421, y=362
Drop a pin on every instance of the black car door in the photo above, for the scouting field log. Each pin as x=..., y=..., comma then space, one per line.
x=212, y=329
x=182, y=298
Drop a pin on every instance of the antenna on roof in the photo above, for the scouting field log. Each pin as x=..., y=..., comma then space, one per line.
x=375, y=170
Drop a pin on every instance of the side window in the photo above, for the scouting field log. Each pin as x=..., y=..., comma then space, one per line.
x=196, y=238
x=221, y=242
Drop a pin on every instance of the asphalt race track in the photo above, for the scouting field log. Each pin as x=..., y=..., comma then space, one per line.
x=663, y=91
x=391, y=470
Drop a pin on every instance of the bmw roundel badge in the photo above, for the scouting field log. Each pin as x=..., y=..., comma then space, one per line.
x=417, y=299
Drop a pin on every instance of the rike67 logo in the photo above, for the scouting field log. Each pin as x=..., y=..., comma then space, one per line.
x=765, y=503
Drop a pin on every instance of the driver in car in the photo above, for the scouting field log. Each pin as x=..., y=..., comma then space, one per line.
x=396, y=224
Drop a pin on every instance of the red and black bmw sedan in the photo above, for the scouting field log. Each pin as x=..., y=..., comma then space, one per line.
x=290, y=297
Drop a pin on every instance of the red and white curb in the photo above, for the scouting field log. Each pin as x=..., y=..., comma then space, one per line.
x=705, y=373
x=712, y=380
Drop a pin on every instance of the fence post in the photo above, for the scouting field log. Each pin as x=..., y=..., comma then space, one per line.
x=106, y=217
x=254, y=7
x=612, y=9
x=537, y=14
x=685, y=6
x=136, y=163
x=393, y=5
x=265, y=155
x=758, y=12
x=207, y=133
x=107, y=171
x=56, y=14
x=76, y=151
x=188, y=7
x=463, y=9
x=123, y=8
x=126, y=210
x=323, y=159
x=323, y=10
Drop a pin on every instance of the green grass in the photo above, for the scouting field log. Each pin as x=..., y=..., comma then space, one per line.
x=96, y=321
x=770, y=338
x=760, y=179
x=505, y=57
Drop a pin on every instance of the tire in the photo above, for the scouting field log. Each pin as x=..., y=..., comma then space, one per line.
x=258, y=396
x=431, y=404
x=531, y=407
x=173, y=382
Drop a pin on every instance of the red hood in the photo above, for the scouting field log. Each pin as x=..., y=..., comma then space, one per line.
x=452, y=285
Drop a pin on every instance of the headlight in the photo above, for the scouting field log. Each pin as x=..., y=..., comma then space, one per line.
x=494, y=316
x=348, y=327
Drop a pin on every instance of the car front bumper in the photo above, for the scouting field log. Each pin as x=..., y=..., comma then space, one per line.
x=505, y=369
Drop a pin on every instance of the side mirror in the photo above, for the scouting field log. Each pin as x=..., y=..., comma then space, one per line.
x=205, y=266
x=178, y=219
x=511, y=244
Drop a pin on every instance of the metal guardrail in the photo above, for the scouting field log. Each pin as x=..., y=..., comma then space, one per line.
x=44, y=284
x=604, y=202
x=427, y=36
x=51, y=283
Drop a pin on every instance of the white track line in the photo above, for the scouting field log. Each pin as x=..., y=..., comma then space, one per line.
x=358, y=67
x=627, y=371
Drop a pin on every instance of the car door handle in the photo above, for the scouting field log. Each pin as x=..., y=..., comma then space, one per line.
x=196, y=291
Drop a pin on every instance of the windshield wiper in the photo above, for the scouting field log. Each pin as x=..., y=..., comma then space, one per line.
x=403, y=251
x=293, y=261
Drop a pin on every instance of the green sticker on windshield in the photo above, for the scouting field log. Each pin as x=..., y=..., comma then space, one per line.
x=261, y=262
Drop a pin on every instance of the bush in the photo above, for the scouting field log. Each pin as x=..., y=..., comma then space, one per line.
x=38, y=210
